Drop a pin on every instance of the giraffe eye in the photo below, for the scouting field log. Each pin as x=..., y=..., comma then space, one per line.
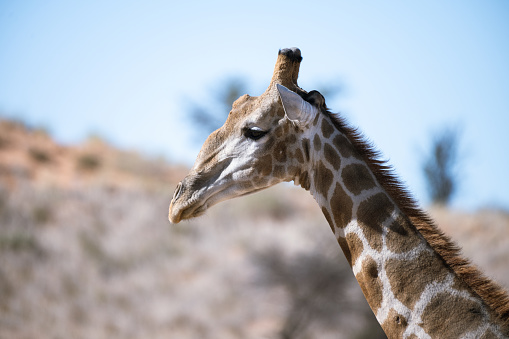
x=254, y=133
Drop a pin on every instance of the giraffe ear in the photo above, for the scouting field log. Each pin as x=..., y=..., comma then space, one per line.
x=295, y=107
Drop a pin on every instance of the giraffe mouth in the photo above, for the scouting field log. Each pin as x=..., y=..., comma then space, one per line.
x=182, y=209
x=177, y=214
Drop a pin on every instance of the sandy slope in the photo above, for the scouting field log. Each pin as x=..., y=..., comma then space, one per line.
x=86, y=251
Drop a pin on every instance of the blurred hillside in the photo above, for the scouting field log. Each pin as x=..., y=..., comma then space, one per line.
x=86, y=251
x=30, y=154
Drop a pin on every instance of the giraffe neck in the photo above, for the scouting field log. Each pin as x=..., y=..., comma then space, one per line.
x=411, y=289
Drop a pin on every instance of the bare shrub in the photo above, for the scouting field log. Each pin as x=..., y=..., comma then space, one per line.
x=209, y=118
x=88, y=162
x=4, y=142
x=317, y=285
x=39, y=155
x=18, y=242
x=440, y=166
x=107, y=264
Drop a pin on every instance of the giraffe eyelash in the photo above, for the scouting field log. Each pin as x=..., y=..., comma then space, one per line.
x=254, y=133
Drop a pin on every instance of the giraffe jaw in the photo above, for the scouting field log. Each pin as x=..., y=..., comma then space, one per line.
x=187, y=206
x=197, y=206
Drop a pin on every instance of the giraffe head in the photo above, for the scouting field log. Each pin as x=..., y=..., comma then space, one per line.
x=259, y=145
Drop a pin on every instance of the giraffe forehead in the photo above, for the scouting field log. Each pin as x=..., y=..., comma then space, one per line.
x=255, y=110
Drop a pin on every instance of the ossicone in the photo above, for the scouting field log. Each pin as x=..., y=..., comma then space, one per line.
x=286, y=70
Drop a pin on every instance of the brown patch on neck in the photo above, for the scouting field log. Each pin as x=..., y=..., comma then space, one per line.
x=323, y=179
x=401, y=236
x=327, y=128
x=495, y=297
x=357, y=178
x=343, y=215
x=370, y=284
x=331, y=156
x=371, y=213
x=352, y=247
x=466, y=311
x=306, y=148
x=402, y=275
x=395, y=324
x=305, y=181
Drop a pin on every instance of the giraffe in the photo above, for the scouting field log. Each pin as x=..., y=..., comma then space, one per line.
x=412, y=275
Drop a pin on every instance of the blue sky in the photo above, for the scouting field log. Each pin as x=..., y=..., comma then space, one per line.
x=124, y=70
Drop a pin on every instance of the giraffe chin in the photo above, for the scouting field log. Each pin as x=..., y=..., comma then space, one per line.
x=175, y=215
x=183, y=210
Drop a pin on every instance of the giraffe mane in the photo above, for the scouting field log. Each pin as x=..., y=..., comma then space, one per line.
x=490, y=292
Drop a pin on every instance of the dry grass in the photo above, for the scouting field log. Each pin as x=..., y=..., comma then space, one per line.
x=107, y=264
x=90, y=254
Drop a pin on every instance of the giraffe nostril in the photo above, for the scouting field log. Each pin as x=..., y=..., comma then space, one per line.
x=178, y=191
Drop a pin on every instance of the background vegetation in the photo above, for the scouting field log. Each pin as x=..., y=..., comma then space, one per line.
x=86, y=251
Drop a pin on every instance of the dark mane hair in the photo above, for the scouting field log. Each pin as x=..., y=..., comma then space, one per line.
x=492, y=294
